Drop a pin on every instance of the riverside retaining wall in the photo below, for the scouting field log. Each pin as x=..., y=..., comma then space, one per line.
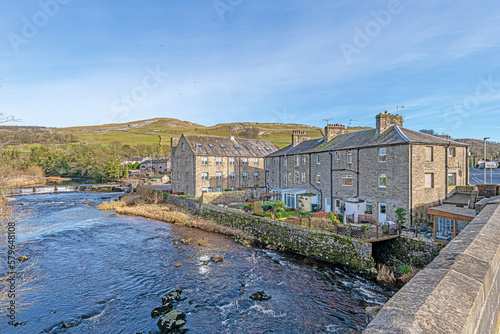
x=458, y=292
x=322, y=245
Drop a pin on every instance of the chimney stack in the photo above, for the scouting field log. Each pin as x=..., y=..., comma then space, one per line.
x=334, y=130
x=385, y=120
x=299, y=136
x=173, y=143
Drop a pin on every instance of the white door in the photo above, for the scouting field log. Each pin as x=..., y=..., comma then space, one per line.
x=328, y=205
x=382, y=212
x=337, y=206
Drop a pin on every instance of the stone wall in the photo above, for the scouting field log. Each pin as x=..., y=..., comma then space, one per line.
x=225, y=197
x=457, y=292
x=353, y=254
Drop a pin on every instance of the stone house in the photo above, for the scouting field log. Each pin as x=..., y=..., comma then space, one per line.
x=372, y=172
x=215, y=164
x=155, y=165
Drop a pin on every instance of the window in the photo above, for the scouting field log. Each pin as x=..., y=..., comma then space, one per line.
x=347, y=180
x=248, y=148
x=284, y=176
x=272, y=176
x=238, y=148
x=290, y=177
x=187, y=160
x=182, y=147
x=451, y=152
x=274, y=161
x=204, y=160
x=267, y=174
x=318, y=178
x=211, y=146
x=317, y=159
x=382, y=180
x=245, y=161
x=204, y=176
x=218, y=161
x=231, y=161
x=219, y=189
x=338, y=155
x=232, y=188
x=297, y=160
x=285, y=161
x=452, y=179
x=297, y=177
x=232, y=176
x=256, y=161
x=256, y=175
x=349, y=157
x=268, y=149
x=178, y=161
x=245, y=175
x=219, y=175
x=259, y=148
x=178, y=175
x=187, y=176
x=429, y=180
x=303, y=177
x=206, y=190
x=444, y=229
x=222, y=146
x=382, y=154
x=429, y=153
x=369, y=207
x=303, y=160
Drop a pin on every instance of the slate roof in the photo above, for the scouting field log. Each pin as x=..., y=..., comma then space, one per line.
x=394, y=135
x=227, y=147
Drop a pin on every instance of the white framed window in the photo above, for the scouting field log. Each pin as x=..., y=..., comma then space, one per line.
x=429, y=153
x=290, y=177
x=204, y=160
x=297, y=177
x=244, y=161
x=349, y=157
x=317, y=159
x=219, y=175
x=187, y=176
x=187, y=160
x=204, y=176
x=347, y=180
x=429, y=180
x=318, y=178
x=232, y=176
x=297, y=160
x=303, y=177
x=231, y=161
x=256, y=161
x=255, y=175
x=369, y=207
x=178, y=175
x=219, y=189
x=452, y=179
x=382, y=154
x=178, y=161
x=245, y=175
x=382, y=180
x=451, y=152
x=218, y=161
x=182, y=147
x=206, y=190
x=304, y=160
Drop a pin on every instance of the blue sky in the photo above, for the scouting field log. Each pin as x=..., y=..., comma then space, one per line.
x=69, y=62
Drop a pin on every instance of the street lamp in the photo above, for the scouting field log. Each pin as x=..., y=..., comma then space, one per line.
x=484, y=161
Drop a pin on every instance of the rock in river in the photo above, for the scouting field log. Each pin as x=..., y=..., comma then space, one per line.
x=174, y=295
x=161, y=310
x=172, y=322
x=260, y=295
x=217, y=258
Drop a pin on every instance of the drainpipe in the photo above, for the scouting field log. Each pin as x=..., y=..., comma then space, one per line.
x=411, y=186
x=446, y=171
x=467, y=165
x=331, y=179
x=357, y=172
x=320, y=206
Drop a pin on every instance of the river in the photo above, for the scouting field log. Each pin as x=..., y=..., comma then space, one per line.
x=104, y=273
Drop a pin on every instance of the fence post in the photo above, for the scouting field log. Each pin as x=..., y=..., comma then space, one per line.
x=366, y=233
x=377, y=231
x=350, y=231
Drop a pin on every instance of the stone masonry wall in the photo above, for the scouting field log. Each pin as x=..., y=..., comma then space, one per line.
x=457, y=292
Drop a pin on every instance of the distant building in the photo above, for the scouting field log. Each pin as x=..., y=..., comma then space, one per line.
x=160, y=178
x=155, y=165
x=215, y=164
x=372, y=172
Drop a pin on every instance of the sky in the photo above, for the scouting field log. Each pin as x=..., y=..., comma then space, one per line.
x=72, y=63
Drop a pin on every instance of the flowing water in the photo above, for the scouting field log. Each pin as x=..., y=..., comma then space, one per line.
x=104, y=273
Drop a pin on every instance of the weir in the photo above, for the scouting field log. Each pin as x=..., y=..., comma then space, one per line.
x=65, y=188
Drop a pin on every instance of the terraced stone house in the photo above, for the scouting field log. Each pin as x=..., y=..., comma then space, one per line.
x=215, y=164
x=368, y=173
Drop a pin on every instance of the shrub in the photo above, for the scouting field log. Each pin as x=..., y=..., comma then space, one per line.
x=403, y=269
x=320, y=214
x=385, y=274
